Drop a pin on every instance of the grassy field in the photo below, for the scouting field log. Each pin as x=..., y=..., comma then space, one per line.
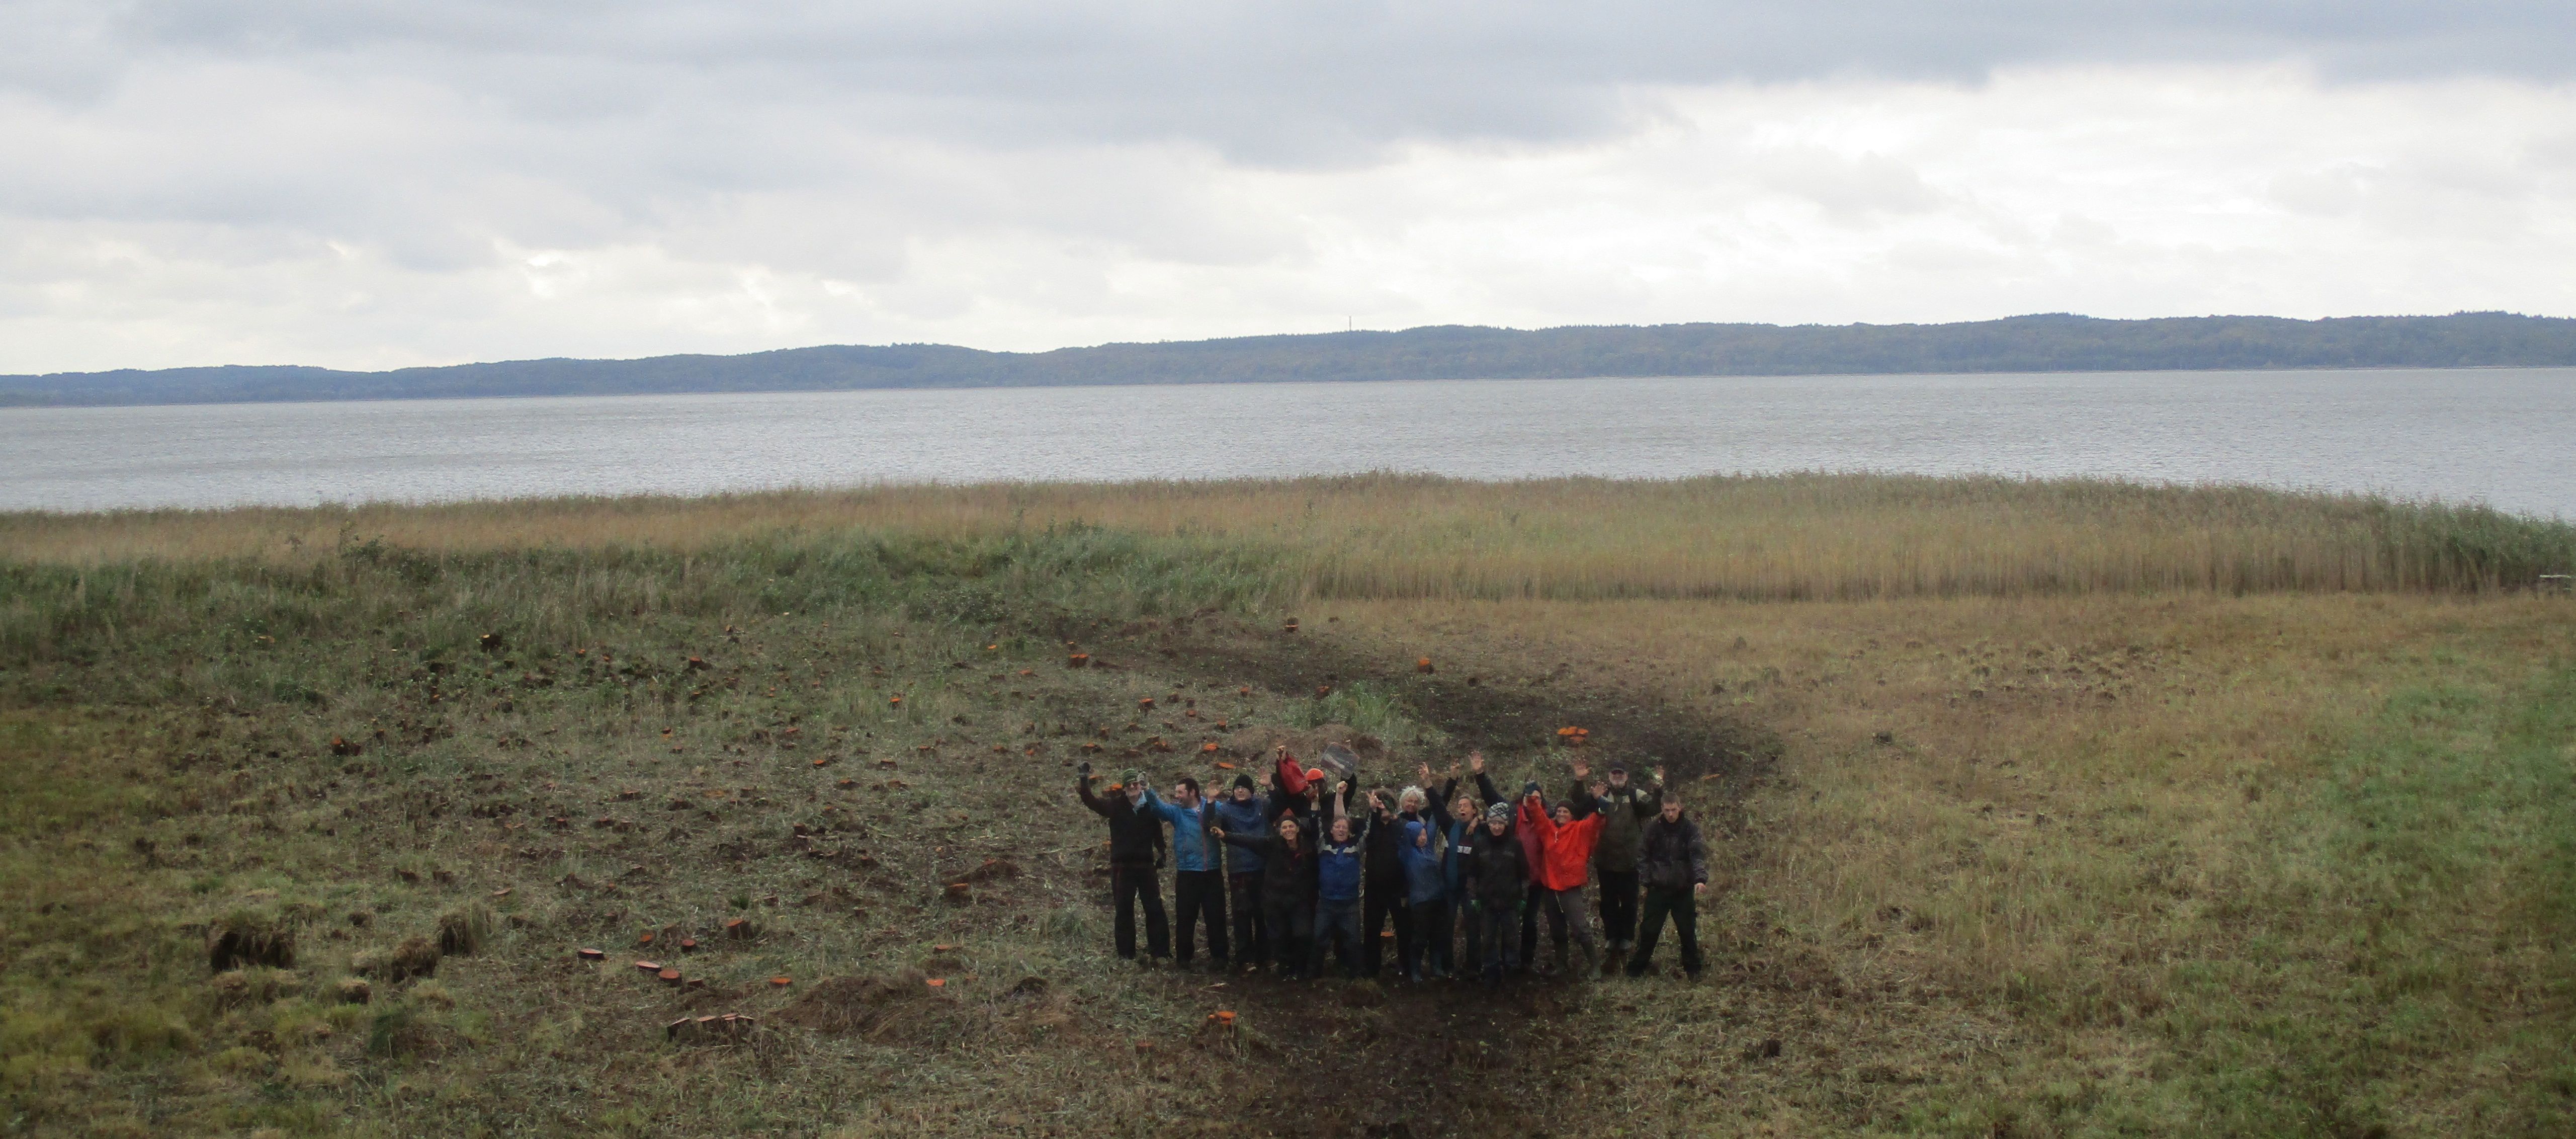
x=2046, y=808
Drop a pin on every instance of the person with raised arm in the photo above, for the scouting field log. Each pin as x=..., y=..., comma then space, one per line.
x=1288, y=880
x=1245, y=813
x=1198, y=881
x=1384, y=896
x=1672, y=864
x=1425, y=853
x=1565, y=863
x=1624, y=807
x=1466, y=817
x=1135, y=844
x=1497, y=877
x=1339, y=866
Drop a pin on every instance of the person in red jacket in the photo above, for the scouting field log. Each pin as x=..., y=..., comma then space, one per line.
x=1564, y=865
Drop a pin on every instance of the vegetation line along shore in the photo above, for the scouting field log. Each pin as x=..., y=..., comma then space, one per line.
x=1751, y=538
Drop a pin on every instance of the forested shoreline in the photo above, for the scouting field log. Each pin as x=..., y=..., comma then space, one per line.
x=2043, y=343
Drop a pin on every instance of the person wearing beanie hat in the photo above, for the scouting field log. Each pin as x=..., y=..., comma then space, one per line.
x=1135, y=844
x=1245, y=813
x=1565, y=861
x=1497, y=883
x=1198, y=878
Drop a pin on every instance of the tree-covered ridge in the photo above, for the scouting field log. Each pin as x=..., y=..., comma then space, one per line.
x=2043, y=343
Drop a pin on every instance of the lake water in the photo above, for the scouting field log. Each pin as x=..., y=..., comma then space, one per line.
x=2502, y=436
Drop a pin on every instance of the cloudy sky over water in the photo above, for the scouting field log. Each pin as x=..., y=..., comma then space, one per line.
x=375, y=184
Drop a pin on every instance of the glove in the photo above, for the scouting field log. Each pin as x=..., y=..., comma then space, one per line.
x=1084, y=769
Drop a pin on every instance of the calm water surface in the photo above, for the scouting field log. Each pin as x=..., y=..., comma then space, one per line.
x=2502, y=436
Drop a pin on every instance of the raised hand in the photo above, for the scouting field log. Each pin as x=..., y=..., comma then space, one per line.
x=1425, y=770
x=1582, y=769
x=1659, y=773
x=1476, y=762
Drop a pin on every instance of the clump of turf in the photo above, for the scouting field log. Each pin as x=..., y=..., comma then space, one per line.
x=462, y=932
x=417, y=956
x=245, y=939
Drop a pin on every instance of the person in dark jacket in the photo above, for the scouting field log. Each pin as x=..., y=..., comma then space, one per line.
x=1672, y=864
x=1288, y=878
x=1245, y=813
x=1624, y=807
x=1497, y=885
x=1383, y=895
x=1135, y=837
x=1467, y=815
x=1198, y=879
x=1340, y=866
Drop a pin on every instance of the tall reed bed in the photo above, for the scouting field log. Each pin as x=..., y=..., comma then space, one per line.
x=1783, y=537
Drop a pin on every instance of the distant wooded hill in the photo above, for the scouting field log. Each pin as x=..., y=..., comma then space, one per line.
x=2018, y=344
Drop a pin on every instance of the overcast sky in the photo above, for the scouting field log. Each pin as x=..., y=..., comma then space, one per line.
x=374, y=184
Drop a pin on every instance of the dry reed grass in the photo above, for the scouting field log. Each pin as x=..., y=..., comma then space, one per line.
x=1788, y=537
x=2135, y=829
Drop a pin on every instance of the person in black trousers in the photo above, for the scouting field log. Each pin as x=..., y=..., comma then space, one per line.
x=1198, y=881
x=1245, y=813
x=1672, y=862
x=1383, y=894
x=1288, y=884
x=1625, y=807
x=1135, y=854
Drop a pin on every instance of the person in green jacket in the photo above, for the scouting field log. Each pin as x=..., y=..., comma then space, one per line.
x=1624, y=806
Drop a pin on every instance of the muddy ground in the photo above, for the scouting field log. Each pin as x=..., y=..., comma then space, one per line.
x=1450, y=1058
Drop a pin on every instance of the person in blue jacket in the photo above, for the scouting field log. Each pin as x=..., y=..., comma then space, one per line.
x=1198, y=885
x=1426, y=888
x=1245, y=813
x=1339, y=864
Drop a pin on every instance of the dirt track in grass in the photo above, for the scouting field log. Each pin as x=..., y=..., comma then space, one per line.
x=1440, y=1058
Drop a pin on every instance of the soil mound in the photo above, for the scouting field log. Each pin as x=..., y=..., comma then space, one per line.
x=902, y=1009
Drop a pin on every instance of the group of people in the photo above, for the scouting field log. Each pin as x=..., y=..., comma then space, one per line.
x=1464, y=888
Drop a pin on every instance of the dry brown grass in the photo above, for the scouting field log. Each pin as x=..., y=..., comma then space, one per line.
x=2094, y=821
x=1790, y=537
x=2111, y=870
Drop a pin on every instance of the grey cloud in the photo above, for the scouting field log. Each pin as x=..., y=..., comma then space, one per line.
x=1293, y=84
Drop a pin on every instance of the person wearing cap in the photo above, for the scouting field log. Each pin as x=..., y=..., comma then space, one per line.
x=1565, y=862
x=1135, y=843
x=1198, y=883
x=1497, y=884
x=1624, y=807
x=1672, y=862
x=1245, y=813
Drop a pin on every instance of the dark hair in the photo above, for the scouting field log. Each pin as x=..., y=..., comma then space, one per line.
x=1190, y=783
x=1672, y=796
